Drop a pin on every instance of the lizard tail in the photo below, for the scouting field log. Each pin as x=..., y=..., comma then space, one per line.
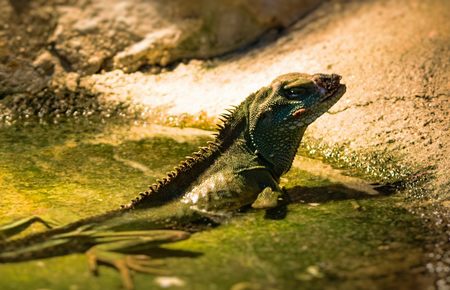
x=75, y=237
x=45, y=246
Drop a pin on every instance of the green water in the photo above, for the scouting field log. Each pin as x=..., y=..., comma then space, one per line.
x=332, y=236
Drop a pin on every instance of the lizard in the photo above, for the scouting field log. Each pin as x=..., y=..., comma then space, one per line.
x=254, y=146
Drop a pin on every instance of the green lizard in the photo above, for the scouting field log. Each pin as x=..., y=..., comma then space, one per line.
x=255, y=145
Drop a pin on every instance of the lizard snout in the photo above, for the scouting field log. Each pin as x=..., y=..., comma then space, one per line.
x=329, y=83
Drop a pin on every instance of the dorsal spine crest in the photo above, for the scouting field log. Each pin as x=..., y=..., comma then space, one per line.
x=227, y=131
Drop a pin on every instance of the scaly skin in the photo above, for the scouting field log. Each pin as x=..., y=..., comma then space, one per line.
x=242, y=166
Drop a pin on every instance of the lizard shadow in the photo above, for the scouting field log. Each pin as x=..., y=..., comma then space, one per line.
x=323, y=194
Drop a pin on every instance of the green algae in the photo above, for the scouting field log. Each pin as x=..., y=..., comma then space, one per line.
x=379, y=166
x=344, y=245
x=54, y=170
x=331, y=236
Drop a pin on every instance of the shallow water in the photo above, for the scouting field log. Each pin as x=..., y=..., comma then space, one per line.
x=336, y=234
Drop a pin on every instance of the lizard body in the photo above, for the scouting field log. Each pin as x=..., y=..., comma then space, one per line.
x=255, y=145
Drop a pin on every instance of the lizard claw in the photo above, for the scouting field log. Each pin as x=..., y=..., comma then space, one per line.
x=146, y=265
x=124, y=265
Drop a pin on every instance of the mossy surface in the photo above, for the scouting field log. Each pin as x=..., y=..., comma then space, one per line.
x=74, y=170
x=331, y=236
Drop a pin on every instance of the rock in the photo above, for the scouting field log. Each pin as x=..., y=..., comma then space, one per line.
x=226, y=25
x=153, y=49
x=136, y=32
x=72, y=80
x=20, y=76
x=44, y=63
x=24, y=31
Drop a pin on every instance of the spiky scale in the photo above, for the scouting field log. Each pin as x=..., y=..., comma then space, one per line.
x=230, y=111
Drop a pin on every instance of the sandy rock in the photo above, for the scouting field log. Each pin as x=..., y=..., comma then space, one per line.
x=85, y=39
x=15, y=77
x=88, y=37
x=153, y=49
x=226, y=25
x=135, y=33
x=45, y=63
x=23, y=34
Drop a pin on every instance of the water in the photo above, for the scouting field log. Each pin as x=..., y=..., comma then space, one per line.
x=336, y=234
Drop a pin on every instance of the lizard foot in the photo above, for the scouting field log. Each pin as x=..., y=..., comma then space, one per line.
x=117, y=250
x=125, y=265
x=268, y=198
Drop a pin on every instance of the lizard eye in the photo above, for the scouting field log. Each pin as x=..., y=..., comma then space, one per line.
x=295, y=93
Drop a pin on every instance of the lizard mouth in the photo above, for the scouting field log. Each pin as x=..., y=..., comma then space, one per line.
x=330, y=87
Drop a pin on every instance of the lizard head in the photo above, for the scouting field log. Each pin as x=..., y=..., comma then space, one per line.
x=279, y=114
